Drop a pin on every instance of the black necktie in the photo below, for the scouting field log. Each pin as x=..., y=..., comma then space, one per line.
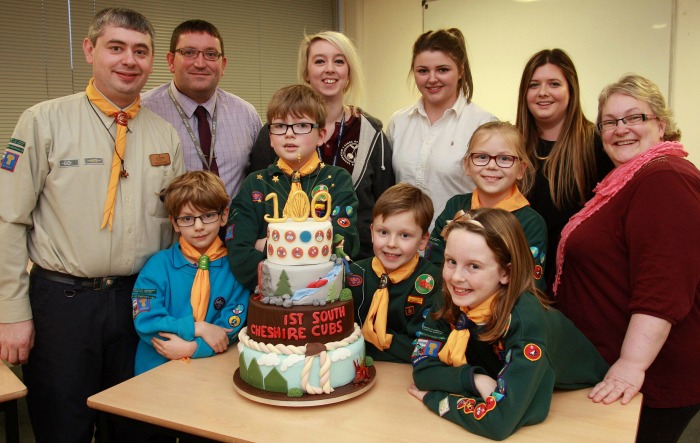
x=205, y=137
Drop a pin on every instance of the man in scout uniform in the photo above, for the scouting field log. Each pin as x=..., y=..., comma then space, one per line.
x=80, y=177
x=393, y=290
x=217, y=128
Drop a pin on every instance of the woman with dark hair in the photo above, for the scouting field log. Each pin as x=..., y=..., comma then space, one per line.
x=430, y=138
x=567, y=154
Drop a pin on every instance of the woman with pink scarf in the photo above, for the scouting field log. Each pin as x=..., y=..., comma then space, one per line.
x=628, y=264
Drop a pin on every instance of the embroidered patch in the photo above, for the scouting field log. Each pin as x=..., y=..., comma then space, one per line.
x=532, y=352
x=234, y=321
x=501, y=386
x=257, y=196
x=535, y=251
x=349, y=210
x=353, y=280
x=93, y=161
x=424, y=283
x=229, y=233
x=482, y=409
x=444, y=406
x=409, y=311
x=466, y=405
x=15, y=148
x=70, y=163
x=336, y=211
x=430, y=348
x=509, y=355
x=538, y=272
x=238, y=309
x=143, y=304
x=317, y=189
x=18, y=142
x=219, y=303
x=9, y=161
x=344, y=222
x=416, y=299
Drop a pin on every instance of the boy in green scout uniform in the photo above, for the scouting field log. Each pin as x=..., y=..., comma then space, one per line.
x=393, y=291
x=296, y=116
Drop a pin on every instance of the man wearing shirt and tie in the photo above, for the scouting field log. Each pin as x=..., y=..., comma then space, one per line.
x=217, y=129
x=80, y=177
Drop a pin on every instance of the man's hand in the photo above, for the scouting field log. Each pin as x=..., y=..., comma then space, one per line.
x=16, y=340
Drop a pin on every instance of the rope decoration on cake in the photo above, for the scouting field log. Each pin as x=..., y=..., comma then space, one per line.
x=269, y=348
x=324, y=374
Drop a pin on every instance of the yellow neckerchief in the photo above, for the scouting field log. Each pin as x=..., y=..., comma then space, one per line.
x=199, y=295
x=454, y=353
x=121, y=117
x=297, y=174
x=374, y=329
x=512, y=202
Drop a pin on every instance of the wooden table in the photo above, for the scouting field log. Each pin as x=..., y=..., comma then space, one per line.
x=198, y=398
x=11, y=388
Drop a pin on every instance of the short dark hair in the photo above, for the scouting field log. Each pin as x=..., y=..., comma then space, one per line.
x=403, y=197
x=196, y=26
x=297, y=100
x=121, y=18
x=201, y=189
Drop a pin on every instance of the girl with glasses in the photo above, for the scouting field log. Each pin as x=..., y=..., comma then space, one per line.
x=498, y=165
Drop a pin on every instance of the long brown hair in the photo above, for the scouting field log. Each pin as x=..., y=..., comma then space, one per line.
x=451, y=42
x=505, y=237
x=570, y=168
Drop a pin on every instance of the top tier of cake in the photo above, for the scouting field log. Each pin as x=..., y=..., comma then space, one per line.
x=300, y=243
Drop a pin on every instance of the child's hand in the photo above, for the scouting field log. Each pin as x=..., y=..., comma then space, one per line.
x=214, y=336
x=174, y=348
x=414, y=391
x=260, y=244
x=484, y=384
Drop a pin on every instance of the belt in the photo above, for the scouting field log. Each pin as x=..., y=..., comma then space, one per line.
x=96, y=284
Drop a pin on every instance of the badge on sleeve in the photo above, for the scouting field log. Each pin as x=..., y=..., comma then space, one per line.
x=9, y=161
x=532, y=352
x=424, y=283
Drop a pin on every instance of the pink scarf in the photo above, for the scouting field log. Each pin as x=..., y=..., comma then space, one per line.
x=608, y=188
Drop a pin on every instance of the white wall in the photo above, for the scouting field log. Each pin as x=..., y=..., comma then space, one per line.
x=386, y=29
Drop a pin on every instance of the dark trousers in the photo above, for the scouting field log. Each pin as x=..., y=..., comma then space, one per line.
x=85, y=342
x=664, y=425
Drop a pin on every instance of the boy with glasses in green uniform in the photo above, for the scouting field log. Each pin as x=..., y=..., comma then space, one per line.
x=186, y=302
x=297, y=118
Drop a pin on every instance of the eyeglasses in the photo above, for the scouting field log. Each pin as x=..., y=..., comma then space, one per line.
x=297, y=128
x=191, y=53
x=502, y=160
x=628, y=120
x=189, y=220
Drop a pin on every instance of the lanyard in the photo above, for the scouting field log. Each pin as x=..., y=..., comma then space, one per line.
x=185, y=122
x=340, y=135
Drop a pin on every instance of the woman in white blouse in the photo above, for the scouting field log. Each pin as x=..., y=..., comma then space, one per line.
x=430, y=138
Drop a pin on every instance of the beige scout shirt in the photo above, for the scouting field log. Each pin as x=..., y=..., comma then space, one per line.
x=52, y=202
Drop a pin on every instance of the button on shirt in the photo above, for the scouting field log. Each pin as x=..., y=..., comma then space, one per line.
x=430, y=156
x=237, y=128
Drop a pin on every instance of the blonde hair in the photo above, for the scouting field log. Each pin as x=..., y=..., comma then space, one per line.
x=505, y=238
x=355, y=87
x=514, y=140
x=646, y=91
x=571, y=166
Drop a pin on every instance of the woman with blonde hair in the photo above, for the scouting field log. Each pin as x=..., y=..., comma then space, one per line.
x=328, y=62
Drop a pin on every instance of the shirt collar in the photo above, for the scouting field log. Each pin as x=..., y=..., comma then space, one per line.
x=456, y=108
x=188, y=105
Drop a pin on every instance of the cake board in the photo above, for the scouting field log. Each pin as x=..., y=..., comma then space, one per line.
x=339, y=394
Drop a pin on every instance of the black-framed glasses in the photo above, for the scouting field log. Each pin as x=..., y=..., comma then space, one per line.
x=189, y=220
x=502, y=160
x=192, y=53
x=297, y=128
x=628, y=120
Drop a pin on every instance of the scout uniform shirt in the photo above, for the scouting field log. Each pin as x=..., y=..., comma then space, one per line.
x=54, y=192
x=541, y=350
x=246, y=223
x=409, y=303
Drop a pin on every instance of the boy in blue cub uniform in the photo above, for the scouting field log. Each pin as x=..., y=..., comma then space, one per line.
x=296, y=119
x=186, y=301
x=394, y=290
